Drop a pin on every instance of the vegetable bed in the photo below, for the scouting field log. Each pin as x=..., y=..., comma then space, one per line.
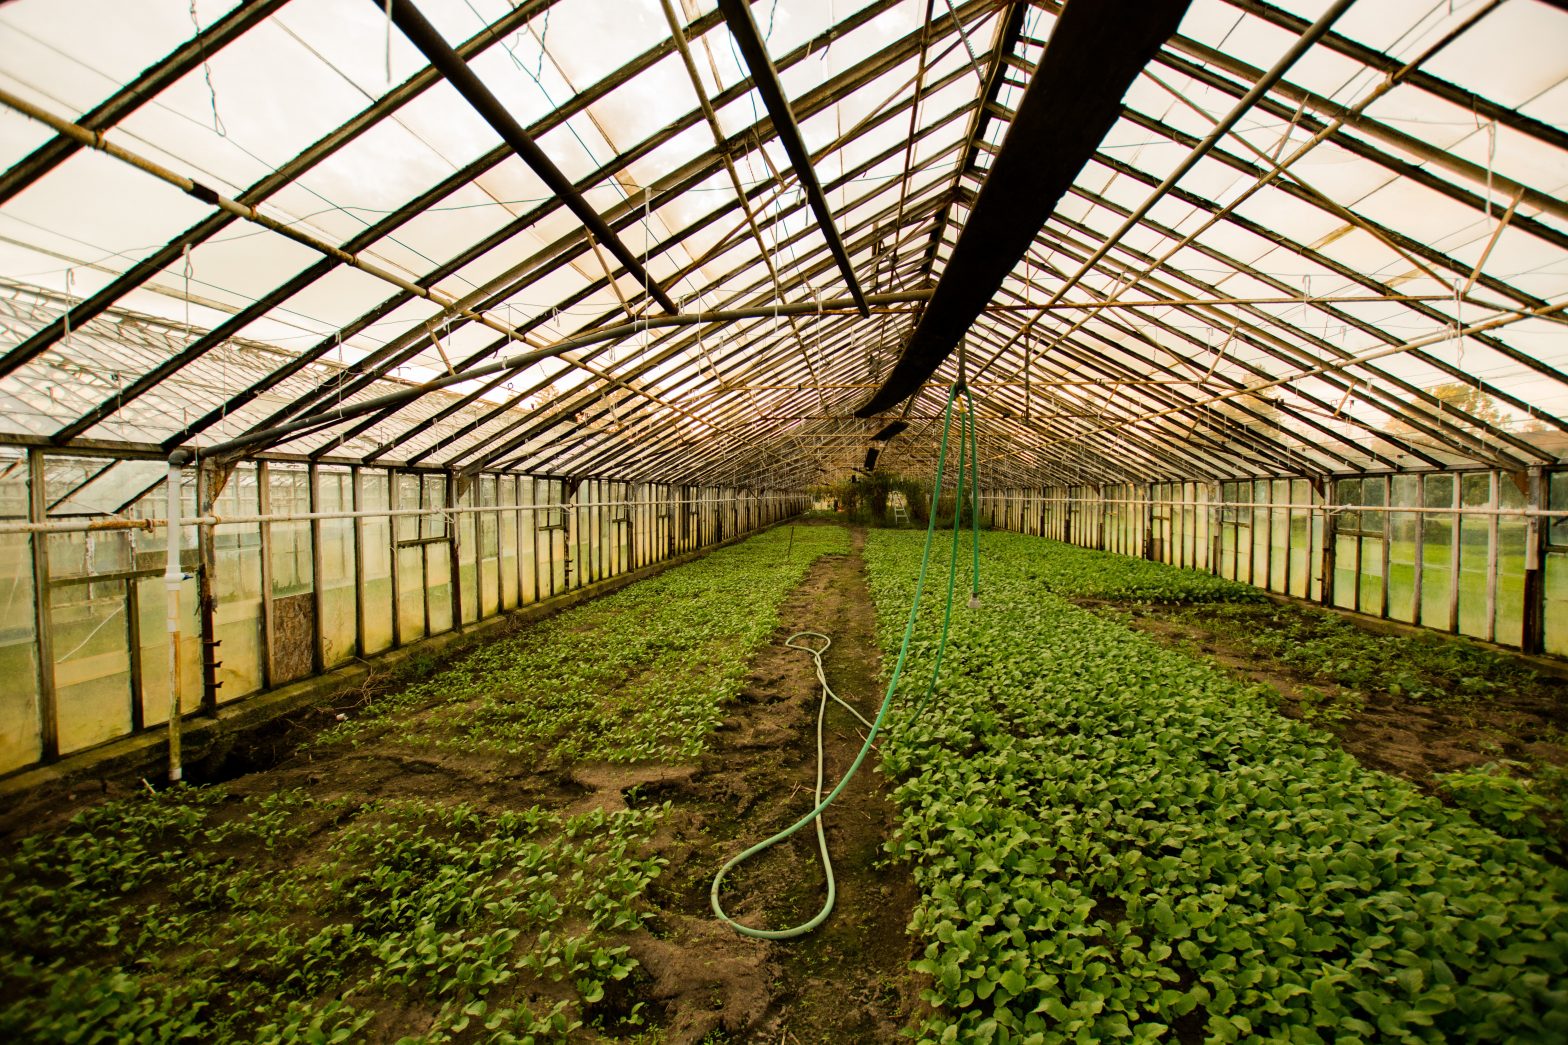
x=640, y=674
x=399, y=881
x=1115, y=839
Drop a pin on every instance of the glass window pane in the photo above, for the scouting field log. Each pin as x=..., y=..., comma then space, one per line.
x=1511, y=534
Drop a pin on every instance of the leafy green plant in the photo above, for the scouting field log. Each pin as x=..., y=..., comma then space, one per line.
x=1507, y=803
x=1081, y=573
x=641, y=674
x=1113, y=839
x=136, y=923
x=1325, y=647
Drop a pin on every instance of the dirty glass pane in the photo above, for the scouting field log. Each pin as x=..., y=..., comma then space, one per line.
x=376, y=552
x=236, y=619
x=411, y=593
x=506, y=524
x=1345, y=580
x=1279, y=535
x=1371, y=576
x=291, y=551
x=1260, y=535
x=1348, y=491
x=438, y=586
x=1402, y=532
x=1474, y=556
x=1511, y=534
x=339, y=611
x=527, y=544
x=92, y=665
x=468, y=555
x=153, y=614
x=19, y=732
x=489, y=545
x=1300, y=538
x=1437, y=537
x=1557, y=603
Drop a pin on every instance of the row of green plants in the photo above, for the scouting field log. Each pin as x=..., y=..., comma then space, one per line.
x=1527, y=800
x=1082, y=573
x=640, y=674
x=197, y=915
x=868, y=499
x=1324, y=647
x=1113, y=839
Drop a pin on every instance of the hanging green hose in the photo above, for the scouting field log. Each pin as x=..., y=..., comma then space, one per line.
x=966, y=428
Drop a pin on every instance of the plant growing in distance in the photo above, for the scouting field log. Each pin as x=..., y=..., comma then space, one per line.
x=641, y=674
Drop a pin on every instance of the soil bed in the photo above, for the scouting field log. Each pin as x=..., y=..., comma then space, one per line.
x=849, y=980
x=1475, y=709
x=696, y=980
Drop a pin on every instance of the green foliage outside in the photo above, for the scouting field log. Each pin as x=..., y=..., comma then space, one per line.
x=196, y=915
x=866, y=500
x=1115, y=840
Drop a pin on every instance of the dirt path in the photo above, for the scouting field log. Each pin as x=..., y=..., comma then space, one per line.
x=848, y=981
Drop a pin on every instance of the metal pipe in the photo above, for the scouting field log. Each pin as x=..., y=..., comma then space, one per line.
x=559, y=349
x=172, y=580
x=1073, y=100
x=1345, y=364
x=195, y=189
x=213, y=519
x=451, y=65
x=1276, y=73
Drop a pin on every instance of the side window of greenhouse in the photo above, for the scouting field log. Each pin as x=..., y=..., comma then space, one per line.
x=1556, y=616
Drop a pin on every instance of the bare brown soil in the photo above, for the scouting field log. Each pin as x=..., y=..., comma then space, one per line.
x=1386, y=731
x=848, y=981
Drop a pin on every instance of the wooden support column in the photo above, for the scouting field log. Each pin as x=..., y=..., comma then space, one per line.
x=209, y=483
x=133, y=649
x=1533, y=639
x=454, y=546
x=1330, y=540
x=43, y=626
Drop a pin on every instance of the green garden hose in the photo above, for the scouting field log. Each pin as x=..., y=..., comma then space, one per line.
x=966, y=428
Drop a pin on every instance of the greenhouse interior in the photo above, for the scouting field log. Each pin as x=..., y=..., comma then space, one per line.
x=789, y=521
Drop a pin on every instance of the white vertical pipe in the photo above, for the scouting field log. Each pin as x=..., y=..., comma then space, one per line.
x=172, y=578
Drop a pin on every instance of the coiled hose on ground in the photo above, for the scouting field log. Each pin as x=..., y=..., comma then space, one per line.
x=966, y=440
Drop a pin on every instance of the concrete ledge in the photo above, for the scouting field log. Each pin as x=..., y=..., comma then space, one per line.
x=145, y=754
